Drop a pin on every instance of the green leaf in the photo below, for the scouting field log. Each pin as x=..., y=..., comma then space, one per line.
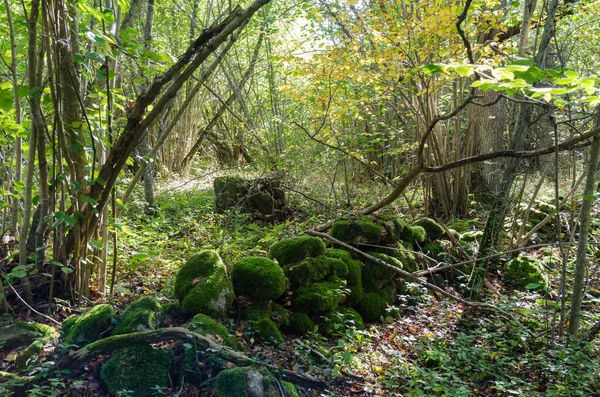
x=18, y=273
x=66, y=270
x=97, y=244
x=140, y=256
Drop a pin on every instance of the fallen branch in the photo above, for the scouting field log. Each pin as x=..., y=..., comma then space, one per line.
x=76, y=359
x=413, y=277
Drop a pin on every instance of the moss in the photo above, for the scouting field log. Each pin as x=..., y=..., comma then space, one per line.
x=141, y=315
x=279, y=314
x=196, y=268
x=68, y=323
x=138, y=368
x=46, y=334
x=472, y=236
x=205, y=325
x=407, y=235
x=418, y=233
x=375, y=276
x=339, y=254
x=343, y=230
x=91, y=325
x=232, y=383
x=301, y=323
x=433, y=248
x=389, y=293
x=353, y=275
x=250, y=382
x=526, y=270
x=433, y=229
x=407, y=258
x=290, y=389
x=371, y=307
x=212, y=296
x=369, y=231
x=339, y=268
x=267, y=330
x=295, y=249
x=318, y=298
x=258, y=278
x=256, y=311
x=308, y=271
x=354, y=281
x=353, y=318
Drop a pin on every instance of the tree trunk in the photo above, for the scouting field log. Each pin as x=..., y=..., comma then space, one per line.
x=497, y=213
x=584, y=230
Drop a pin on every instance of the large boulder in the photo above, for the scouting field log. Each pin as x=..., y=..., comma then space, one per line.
x=202, y=285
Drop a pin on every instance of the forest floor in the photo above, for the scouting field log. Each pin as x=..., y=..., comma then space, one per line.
x=435, y=347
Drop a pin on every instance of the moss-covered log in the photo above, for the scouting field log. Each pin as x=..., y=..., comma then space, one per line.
x=75, y=359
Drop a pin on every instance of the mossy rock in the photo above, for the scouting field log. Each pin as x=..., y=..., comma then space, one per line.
x=90, y=326
x=472, y=236
x=204, y=325
x=433, y=229
x=296, y=249
x=434, y=249
x=142, y=315
x=212, y=296
x=266, y=330
x=196, y=268
x=407, y=258
x=317, y=298
x=369, y=231
x=389, y=293
x=353, y=275
x=344, y=230
x=376, y=276
x=250, y=382
x=68, y=323
x=258, y=278
x=363, y=230
x=526, y=272
x=139, y=368
x=301, y=323
x=371, y=307
x=353, y=318
x=309, y=270
x=413, y=234
x=23, y=333
x=280, y=315
x=339, y=254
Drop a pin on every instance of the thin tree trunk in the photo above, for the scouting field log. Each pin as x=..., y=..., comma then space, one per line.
x=497, y=213
x=584, y=230
x=18, y=119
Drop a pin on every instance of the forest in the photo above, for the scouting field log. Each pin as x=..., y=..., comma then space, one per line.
x=263, y=198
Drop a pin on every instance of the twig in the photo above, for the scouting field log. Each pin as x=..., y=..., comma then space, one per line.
x=31, y=308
